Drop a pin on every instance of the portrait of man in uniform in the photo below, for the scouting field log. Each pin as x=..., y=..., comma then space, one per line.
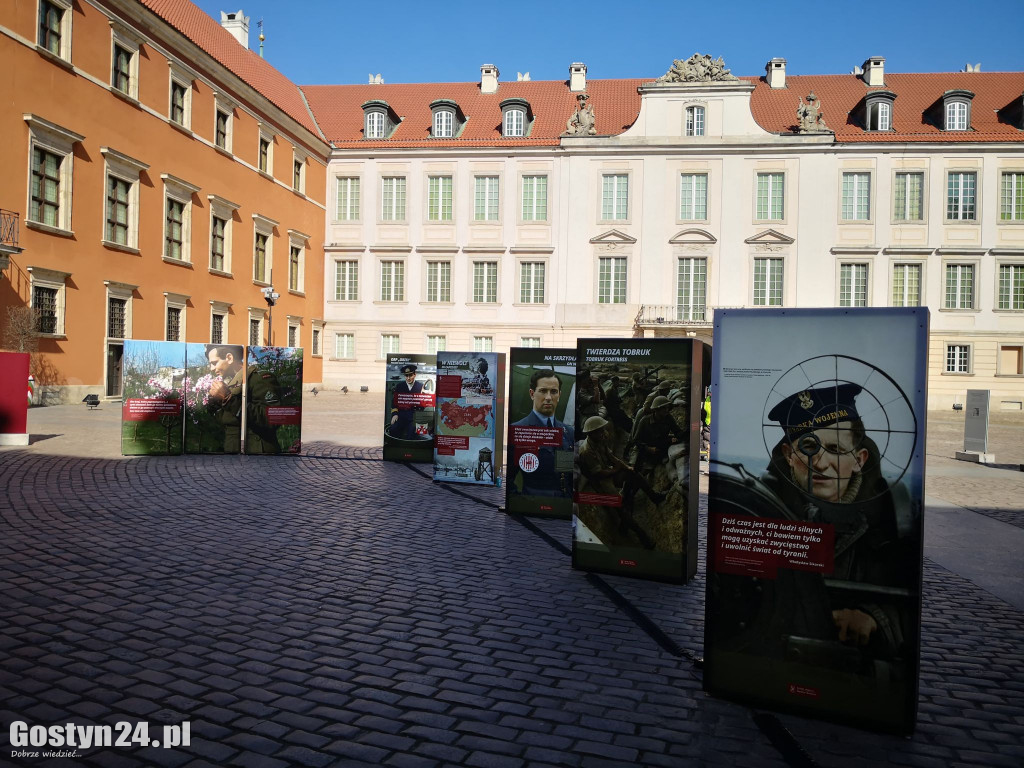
x=547, y=479
x=403, y=410
x=227, y=366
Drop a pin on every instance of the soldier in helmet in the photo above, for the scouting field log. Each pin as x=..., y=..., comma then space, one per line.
x=655, y=432
x=603, y=472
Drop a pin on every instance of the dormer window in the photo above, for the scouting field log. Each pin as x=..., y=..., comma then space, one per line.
x=878, y=111
x=447, y=119
x=956, y=106
x=379, y=120
x=515, y=118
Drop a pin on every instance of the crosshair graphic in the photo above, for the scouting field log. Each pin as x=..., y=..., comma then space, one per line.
x=882, y=405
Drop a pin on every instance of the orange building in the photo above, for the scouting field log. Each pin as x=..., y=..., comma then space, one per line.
x=160, y=178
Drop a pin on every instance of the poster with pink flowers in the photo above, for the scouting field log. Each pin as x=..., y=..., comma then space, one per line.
x=153, y=386
x=273, y=417
x=214, y=404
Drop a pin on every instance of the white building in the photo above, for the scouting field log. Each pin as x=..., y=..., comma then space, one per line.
x=460, y=216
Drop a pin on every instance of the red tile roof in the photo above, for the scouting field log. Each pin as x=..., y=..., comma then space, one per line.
x=338, y=111
x=209, y=35
x=917, y=109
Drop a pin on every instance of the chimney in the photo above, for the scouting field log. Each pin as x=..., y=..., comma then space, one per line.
x=775, y=73
x=874, y=71
x=237, y=24
x=488, y=79
x=577, y=77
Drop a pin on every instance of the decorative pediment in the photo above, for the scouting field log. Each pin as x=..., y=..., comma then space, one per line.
x=613, y=237
x=693, y=236
x=770, y=237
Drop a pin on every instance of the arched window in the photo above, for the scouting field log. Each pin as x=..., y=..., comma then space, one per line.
x=444, y=123
x=515, y=118
x=956, y=106
x=379, y=120
x=879, y=111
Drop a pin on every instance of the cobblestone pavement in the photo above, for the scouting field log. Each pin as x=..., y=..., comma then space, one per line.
x=333, y=609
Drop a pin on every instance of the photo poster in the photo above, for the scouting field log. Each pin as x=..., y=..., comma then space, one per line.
x=469, y=416
x=815, y=502
x=541, y=438
x=153, y=396
x=214, y=384
x=409, y=407
x=273, y=396
x=15, y=394
x=637, y=448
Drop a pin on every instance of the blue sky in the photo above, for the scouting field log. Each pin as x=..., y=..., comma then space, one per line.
x=337, y=41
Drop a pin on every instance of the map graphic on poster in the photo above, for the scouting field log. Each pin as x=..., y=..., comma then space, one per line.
x=273, y=394
x=214, y=383
x=468, y=416
x=814, y=515
x=541, y=437
x=409, y=407
x=637, y=416
x=153, y=390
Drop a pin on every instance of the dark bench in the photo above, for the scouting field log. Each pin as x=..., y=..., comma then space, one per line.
x=91, y=401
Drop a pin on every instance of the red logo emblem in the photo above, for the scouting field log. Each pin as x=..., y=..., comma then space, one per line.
x=529, y=462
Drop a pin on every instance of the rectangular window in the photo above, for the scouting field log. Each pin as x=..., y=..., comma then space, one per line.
x=388, y=344
x=908, y=197
x=695, y=121
x=393, y=198
x=345, y=346
x=439, y=198
x=768, y=282
x=221, y=129
x=51, y=18
x=44, y=302
x=1011, y=197
x=961, y=189
x=1011, y=286
x=1011, y=360
x=348, y=199
x=174, y=229
x=529, y=341
x=374, y=125
x=535, y=198
x=853, y=285
x=293, y=336
x=959, y=286
x=217, y=328
x=392, y=281
x=298, y=171
x=771, y=196
x=121, y=77
x=117, y=210
x=315, y=343
x=217, y=230
x=295, y=269
x=906, y=285
x=46, y=179
x=958, y=358
x=254, y=332
x=264, y=161
x=436, y=344
x=259, y=258
x=439, y=281
x=346, y=281
x=117, y=312
x=956, y=116
x=856, y=196
x=485, y=207
x=531, y=282
x=691, y=289
x=485, y=282
x=693, y=196
x=178, y=93
x=611, y=280
x=483, y=343
x=173, y=324
x=615, y=197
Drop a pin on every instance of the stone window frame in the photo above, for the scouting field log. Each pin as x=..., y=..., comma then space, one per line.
x=969, y=346
x=857, y=261
x=66, y=21
x=606, y=173
x=263, y=225
x=125, y=292
x=57, y=140
x=627, y=259
x=183, y=77
x=769, y=172
x=923, y=282
x=484, y=259
x=923, y=173
x=121, y=166
x=300, y=241
x=692, y=126
x=127, y=40
x=857, y=173
x=224, y=209
x=178, y=301
x=180, y=191
x=223, y=105
x=532, y=259
x=346, y=335
x=56, y=280
x=222, y=308
x=266, y=134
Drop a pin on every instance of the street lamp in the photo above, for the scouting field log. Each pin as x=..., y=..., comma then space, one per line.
x=271, y=296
